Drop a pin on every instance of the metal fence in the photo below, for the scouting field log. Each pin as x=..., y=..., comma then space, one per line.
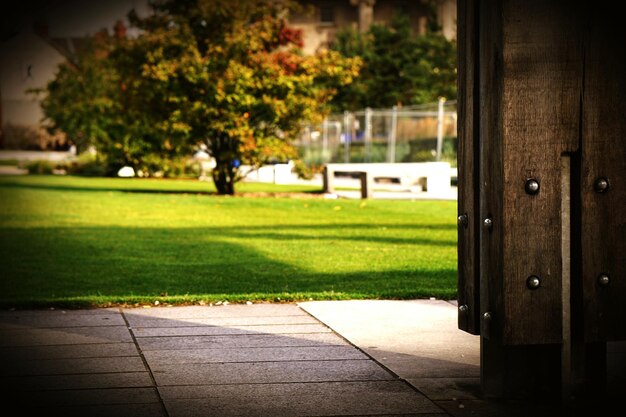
x=400, y=134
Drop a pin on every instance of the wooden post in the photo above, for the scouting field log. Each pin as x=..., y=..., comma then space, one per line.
x=367, y=184
x=328, y=178
x=542, y=192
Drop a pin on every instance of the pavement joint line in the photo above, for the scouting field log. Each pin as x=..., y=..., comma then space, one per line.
x=75, y=374
x=89, y=389
x=283, y=362
x=369, y=381
x=62, y=344
x=80, y=406
x=240, y=347
x=252, y=361
x=146, y=365
x=226, y=334
x=407, y=383
x=75, y=357
x=199, y=325
x=332, y=381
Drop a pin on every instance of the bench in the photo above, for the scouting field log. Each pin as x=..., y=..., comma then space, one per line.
x=433, y=176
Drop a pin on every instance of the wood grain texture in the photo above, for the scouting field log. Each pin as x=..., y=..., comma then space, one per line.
x=491, y=178
x=604, y=155
x=468, y=261
x=541, y=98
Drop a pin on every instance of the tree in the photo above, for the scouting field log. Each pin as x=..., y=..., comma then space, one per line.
x=232, y=75
x=227, y=74
x=398, y=68
x=81, y=100
x=95, y=99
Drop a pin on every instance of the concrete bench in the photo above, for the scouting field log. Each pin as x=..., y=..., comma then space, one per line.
x=433, y=176
x=276, y=173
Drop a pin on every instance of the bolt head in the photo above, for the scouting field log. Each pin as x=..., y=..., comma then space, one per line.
x=488, y=223
x=533, y=282
x=604, y=280
x=601, y=185
x=462, y=220
x=487, y=316
x=531, y=186
x=463, y=309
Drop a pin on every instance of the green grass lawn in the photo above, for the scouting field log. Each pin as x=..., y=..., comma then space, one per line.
x=70, y=241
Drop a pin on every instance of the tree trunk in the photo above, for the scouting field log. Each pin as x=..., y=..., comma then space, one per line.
x=224, y=177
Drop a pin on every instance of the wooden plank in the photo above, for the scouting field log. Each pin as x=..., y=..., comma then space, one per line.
x=468, y=210
x=604, y=155
x=541, y=95
x=491, y=167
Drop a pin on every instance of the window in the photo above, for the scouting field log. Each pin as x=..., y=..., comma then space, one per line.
x=327, y=14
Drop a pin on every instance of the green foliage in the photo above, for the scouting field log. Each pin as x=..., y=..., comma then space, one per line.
x=40, y=167
x=227, y=74
x=398, y=68
x=306, y=171
x=176, y=167
x=232, y=75
x=89, y=101
x=87, y=164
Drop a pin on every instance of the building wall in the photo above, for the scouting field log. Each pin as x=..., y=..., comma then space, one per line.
x=28, y=62
x=345, y=13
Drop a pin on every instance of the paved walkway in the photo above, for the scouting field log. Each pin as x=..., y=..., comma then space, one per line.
x=335, y=358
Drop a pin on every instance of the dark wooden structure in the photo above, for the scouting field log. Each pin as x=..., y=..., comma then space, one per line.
x=542, y=191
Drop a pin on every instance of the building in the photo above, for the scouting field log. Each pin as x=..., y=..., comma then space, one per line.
x=320, y=20
x=34, y=39
x=34, y=42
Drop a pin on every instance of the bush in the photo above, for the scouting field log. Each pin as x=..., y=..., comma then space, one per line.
x=157, y=166
x=88, y=165
x=40, y=167
x=306, y=172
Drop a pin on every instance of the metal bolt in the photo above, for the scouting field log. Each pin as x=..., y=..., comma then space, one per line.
x=487, y=316
x=531, y=186
x=604, y=280
x=462, y=220
x=601, y=185
x=463, y=309
x=533, y=282
x=488, y=223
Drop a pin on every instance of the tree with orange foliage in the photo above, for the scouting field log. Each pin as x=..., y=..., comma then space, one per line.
x=232, y=76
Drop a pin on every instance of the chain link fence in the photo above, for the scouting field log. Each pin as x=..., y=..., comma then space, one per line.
x=424, y=133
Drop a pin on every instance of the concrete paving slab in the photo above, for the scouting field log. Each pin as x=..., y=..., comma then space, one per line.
x=40, y=321
x=53, y=312
x=23, y=353
x=109, y=396
x=231, y=310
x=269, y=372
x=73, y=366
x=249, y=341
x=64, y=336
x=142, y=321
x=61, y=382
x=232, y=330
x=117, y=410
x=448, y=388
x=302, y=399
x=157, y=358
x=415, y=339
x=427, y=363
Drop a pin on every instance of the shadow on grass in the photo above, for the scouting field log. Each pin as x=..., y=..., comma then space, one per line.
x=144, y=189
x=47, y=264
